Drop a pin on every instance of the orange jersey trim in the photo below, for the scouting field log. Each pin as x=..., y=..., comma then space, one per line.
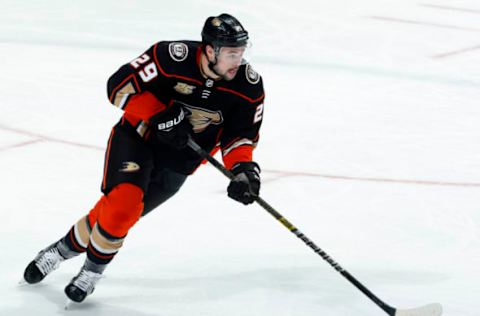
x=231, y=142
x=241, y=95
x=171, y=75
x=239, y=154
x=132, y=119
x=112, y=96
x=144, y=105
x=105, y=168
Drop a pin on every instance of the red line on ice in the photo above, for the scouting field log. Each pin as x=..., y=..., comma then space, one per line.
x=371, y=179
x=447, y=26
x=280, y=173
x=456, y=52
x=47, y=138
x=435, y=6
x=25, y=143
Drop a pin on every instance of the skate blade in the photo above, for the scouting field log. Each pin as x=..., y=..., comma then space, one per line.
x=68, y=304
x=22, y=283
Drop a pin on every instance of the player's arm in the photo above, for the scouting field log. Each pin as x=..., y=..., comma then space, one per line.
x=129, y=88
x=241, y=134
x=238, y=141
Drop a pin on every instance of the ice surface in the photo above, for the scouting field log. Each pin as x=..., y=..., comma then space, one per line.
x=370, y=145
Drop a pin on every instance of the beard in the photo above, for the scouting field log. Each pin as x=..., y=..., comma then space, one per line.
x=228, y=74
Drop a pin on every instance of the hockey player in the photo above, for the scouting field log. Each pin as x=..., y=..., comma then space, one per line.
x=175, y=90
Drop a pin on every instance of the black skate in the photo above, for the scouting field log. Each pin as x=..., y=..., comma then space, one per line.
x=45, y=262
x=82, y=285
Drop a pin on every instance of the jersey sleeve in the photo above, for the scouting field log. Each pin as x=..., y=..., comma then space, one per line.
x=129, y=88
x=241, y=133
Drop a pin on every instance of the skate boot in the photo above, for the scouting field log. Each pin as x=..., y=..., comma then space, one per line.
x=45, y=262
x=82, y=285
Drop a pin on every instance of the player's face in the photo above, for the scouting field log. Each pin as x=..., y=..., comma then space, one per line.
x=228, y=61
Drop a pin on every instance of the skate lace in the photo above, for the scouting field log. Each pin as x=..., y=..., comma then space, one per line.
x=49, y=261
x=86, y=280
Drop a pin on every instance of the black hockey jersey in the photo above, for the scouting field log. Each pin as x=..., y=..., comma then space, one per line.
x=227, y=114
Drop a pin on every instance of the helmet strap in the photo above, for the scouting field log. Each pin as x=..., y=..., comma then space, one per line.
x=211, y=64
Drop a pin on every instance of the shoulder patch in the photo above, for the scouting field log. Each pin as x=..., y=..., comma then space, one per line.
x=252, y=76
x=178, y=51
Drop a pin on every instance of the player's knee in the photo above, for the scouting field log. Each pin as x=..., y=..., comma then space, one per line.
x=122, y=209
x=93, y=214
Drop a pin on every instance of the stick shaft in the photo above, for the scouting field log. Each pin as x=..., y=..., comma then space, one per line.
x=388, y=309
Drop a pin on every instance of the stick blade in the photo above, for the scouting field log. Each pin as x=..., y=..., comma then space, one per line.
x=434, y=309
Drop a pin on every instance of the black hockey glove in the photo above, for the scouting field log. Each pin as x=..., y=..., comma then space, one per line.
x=246, y=184
x=172, y=127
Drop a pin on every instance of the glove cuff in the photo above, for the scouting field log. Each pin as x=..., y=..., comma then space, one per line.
x=246, y=166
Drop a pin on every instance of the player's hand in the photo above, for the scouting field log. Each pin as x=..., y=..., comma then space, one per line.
x=245, y=187
x=172, y=127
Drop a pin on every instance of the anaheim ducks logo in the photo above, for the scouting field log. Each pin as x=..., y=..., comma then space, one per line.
x=216, y=22
x=129, y=166
x=202, y=118
x=252, y=76
x=184, y=88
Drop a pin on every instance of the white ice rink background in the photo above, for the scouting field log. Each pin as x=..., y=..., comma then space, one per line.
x=370, y=145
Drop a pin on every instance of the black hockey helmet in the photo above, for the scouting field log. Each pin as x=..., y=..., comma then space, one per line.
x=224, y=31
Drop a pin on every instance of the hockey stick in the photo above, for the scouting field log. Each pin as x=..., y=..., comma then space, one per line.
x=434, y=309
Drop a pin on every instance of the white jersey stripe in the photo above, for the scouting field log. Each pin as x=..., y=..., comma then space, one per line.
x=238, y=143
